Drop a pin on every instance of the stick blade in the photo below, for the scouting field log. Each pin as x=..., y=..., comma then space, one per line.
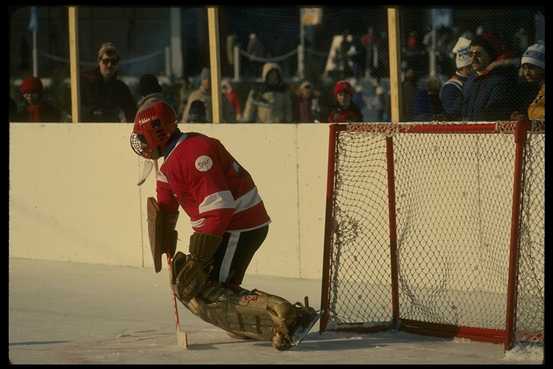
x=182, y=339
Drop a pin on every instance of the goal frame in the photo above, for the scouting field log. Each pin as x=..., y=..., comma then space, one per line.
x=519, y=131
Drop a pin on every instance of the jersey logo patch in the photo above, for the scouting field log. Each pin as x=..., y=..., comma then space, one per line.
x=203, y=163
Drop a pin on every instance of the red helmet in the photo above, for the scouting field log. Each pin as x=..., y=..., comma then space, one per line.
x=153, y=126
x=343, y=86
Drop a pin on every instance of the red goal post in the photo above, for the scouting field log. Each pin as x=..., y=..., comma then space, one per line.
x=436, y=228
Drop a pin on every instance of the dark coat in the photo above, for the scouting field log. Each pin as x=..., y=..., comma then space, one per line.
x=491, y=96
x=41, y=112
x=340, y=115
x=451, y=96
x=102, y=100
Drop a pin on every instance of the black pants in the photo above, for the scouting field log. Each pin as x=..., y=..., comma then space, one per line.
x=235, y=254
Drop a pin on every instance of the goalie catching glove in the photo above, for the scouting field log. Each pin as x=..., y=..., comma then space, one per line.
x=191, y=272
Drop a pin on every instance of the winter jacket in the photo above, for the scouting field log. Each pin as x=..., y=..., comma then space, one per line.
x=451, y=96
x=341, y=115
x=269, y=104
x=41, y=112
x=491, y=96
x=105, y=100
x=536, y=110
x=202, y=95
x=205, y=97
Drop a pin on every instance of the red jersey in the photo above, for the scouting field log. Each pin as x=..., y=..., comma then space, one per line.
x=216, y=192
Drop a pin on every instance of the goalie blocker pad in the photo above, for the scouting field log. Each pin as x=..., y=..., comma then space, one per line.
x=161, y=232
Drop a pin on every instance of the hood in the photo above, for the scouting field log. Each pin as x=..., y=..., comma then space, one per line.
x=267, y=68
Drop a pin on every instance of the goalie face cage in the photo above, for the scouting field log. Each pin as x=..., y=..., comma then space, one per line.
x=436, y=229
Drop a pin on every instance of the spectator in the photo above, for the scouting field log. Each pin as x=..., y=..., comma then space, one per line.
x=185, y=91
x=345, y=110
x=104, y=97
x=533, y=69
x=451, y=93
x=203, y=94
x=306, y=104
x=488, y=94
x=197, y=113
x=271, y=103
x=232, y=98
x=149, y=90
x=427, y=101
x=36, y=108
x=409, y=92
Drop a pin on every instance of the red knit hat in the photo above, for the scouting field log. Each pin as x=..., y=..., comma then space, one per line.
x=31, y=85
x=343, y=86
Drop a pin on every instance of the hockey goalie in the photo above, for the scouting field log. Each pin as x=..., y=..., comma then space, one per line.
x=229, y=221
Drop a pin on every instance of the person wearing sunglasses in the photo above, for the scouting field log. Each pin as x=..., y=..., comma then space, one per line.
x=490, y=94
x=104, y=97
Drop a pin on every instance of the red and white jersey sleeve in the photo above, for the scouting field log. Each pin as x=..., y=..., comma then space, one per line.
x=213, y=189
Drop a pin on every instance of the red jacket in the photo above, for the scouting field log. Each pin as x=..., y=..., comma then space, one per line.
x=216, y=192
x=340, y=115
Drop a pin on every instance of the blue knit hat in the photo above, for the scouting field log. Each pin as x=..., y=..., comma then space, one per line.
x=535, y=55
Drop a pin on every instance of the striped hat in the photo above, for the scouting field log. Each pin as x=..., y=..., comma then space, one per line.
x=535, y=55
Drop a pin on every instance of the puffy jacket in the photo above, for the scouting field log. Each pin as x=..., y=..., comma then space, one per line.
x=269, y=104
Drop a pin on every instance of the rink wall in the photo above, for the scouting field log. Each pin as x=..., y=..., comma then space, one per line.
x=73, y=193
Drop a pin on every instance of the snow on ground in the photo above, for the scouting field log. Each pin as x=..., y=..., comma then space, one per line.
x=72, y=313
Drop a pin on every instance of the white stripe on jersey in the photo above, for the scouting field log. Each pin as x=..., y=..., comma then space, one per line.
x=217, y=200
x=229, y=255
x=197, y=223
x=247, y=200
x=161, y=177
x=456, y=83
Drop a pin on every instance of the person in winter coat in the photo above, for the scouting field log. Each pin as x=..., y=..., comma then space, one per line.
x=149, y=90
x=488, y=94
x=306, y=104
x=232, y=98
x=104, y=97
x=533, y=69
x=345, y=110
x=36, y=108
x=270, y=103
x=451, y=93
x=203, y=94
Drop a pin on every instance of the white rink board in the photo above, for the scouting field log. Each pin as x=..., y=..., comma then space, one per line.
x=73, y=193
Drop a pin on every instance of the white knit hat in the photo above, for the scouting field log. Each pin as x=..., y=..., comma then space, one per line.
x=461, y=49
x=535, y=55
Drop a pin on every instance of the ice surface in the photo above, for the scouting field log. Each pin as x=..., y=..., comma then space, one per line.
x=71, y=313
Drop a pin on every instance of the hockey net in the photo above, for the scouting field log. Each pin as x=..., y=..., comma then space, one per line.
x=419, y=231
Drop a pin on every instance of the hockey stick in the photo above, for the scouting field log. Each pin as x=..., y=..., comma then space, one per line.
x=182, y=337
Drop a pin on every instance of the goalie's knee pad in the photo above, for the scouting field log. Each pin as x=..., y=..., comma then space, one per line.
x=190, y=279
